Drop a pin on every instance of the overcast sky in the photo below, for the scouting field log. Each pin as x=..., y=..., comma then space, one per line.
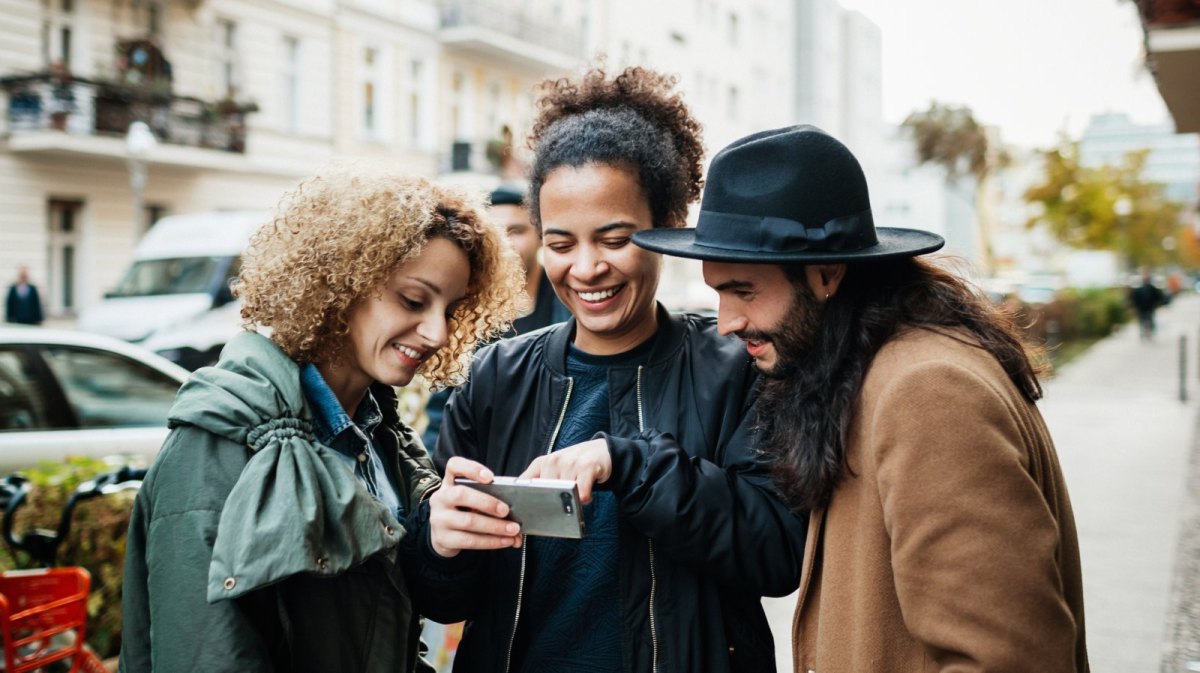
x=1031, y=67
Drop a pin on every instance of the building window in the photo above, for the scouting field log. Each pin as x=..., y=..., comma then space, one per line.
x=227, y=74
x=416, y=75
x=154, y=19
x=459, y=119
x=370, y=91
x=733, y=30
x=291, y=83
x=63, y=220
x=58, y=27
x=495, y=92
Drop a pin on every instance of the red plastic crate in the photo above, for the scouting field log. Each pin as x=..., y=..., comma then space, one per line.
x=43, y=617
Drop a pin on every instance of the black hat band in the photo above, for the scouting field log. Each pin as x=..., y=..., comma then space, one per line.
x=752, y=233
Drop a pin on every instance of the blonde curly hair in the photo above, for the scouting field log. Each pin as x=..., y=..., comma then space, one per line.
x=337, y=236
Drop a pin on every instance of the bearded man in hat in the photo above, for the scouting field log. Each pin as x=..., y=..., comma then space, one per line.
x=898, y=406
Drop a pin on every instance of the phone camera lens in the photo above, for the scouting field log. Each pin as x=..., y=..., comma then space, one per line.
x=568, y=507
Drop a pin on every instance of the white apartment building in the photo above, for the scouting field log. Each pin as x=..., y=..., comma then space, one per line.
x=731, y=57
x=1173, y=159
x=494, y=53
x=244, y=97
x=919, y=197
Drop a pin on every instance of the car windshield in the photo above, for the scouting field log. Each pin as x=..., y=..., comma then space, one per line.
x=183, y=275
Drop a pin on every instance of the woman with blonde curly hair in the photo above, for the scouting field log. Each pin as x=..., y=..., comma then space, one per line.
x=274, y=531
x=645, y=410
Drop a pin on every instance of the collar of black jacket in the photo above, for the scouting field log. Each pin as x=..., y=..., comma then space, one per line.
x=669, y=340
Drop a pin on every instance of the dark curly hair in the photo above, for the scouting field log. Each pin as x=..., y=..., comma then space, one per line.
x=634, y=120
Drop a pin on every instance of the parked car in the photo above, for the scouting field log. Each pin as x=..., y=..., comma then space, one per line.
x=72, y=393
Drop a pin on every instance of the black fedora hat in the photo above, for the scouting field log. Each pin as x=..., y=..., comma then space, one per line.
x=787, y=195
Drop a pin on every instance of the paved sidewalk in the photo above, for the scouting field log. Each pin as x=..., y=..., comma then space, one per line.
x=1124, y=440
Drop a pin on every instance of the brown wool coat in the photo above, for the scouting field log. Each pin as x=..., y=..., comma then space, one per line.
x=951, y=546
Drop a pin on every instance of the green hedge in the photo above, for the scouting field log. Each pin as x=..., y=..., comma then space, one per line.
x=1066, y=326
x=1075, y=314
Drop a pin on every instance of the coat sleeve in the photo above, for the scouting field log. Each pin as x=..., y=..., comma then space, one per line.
x=448, y=590
x=974, y=543
x=444, y=590
x=169, y=625
x=721, y=514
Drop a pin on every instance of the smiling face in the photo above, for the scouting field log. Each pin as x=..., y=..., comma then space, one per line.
x=401, y=323
x=588, y=215
x=776, y=317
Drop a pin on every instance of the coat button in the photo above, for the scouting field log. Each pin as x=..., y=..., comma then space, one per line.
x=362, y=457
x=229, y=583
x=389, y=530
x=322, y=563
x=423, y=480
x=731, y=650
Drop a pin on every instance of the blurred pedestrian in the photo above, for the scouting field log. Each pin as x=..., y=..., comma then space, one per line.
x=507, y=210
x=23, y=305
x=898, y=406
x=1146, y=298
x=273, y=530
x=646, y=411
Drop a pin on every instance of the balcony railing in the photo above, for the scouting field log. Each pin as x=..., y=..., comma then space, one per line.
x=1169, y=13
x=513, y=21
x=47, y=101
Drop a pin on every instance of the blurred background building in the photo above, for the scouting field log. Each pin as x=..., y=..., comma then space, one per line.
x=244, y=98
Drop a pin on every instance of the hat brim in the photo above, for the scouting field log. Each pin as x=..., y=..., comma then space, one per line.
x=893, y=242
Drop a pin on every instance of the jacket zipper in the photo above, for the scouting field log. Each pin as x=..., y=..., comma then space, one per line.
x=650, y=543
x=512, y=638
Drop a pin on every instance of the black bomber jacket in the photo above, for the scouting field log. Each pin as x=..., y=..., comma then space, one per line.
x=691, y=584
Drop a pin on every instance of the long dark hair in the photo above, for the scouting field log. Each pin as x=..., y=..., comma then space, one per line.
x=806, y=411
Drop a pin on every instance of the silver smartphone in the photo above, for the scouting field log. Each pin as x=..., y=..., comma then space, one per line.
x=548, y=507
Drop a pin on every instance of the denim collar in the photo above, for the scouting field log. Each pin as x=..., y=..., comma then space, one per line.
x=330, y=419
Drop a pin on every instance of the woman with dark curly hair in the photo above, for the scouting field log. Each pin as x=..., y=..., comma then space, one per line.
x=273, y=531
x=646, y=411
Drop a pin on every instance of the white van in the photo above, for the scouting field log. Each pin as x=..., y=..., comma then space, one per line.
x=175, y=298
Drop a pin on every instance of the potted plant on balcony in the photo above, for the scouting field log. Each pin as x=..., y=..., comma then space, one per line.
x=62, y=98
x=224, y=124
x=499, y=150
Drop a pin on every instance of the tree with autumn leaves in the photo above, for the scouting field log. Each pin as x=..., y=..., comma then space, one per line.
x=1111, y=208
x=950, y=136
x=1095, y=208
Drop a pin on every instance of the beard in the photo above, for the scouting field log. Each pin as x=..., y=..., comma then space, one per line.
x=787, y=410
x=793, y=336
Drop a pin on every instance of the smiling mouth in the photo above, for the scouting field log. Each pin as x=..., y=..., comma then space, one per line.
x=756, y=347
x=410, y=355
x=599, y=295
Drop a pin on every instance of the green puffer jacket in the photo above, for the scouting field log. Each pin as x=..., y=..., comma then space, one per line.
x=252, y=547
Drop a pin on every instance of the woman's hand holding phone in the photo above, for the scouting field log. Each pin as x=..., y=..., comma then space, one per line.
x=463, y=518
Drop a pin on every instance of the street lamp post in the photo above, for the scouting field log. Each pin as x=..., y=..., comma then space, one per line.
x=139, y=141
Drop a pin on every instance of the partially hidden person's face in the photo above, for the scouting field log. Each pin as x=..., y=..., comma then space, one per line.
x=404, y=320
x=514, y=221
x=760, y=305
x=588, y=215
